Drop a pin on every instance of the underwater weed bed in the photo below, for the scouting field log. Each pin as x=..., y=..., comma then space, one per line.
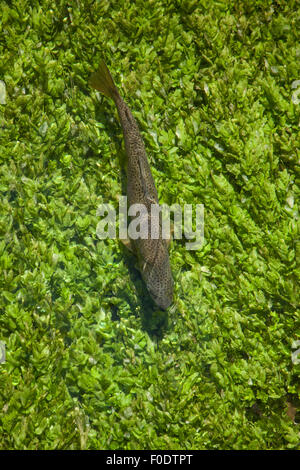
x=89, y=363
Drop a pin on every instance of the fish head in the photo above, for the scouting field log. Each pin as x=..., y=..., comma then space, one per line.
x=159, y=283
x=162, y=299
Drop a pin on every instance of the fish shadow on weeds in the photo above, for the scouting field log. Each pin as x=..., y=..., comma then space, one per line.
x=109, y=122
x=111, y=128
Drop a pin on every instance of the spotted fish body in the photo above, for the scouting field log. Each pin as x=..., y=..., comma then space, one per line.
x=152, y=254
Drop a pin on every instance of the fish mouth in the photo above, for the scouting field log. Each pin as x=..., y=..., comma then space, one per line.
x=162, y=302
x=165, y=304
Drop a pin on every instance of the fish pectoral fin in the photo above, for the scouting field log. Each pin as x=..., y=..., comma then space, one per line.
x=143, y=266
x=168, y=240
x=127, y=243
x=149, y=197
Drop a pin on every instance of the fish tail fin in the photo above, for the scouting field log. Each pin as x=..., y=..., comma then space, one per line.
x=103, y=81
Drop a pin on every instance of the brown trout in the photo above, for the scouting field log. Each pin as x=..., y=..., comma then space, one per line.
x=152, y=254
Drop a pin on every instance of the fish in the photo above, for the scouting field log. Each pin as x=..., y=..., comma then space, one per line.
x=152, y=253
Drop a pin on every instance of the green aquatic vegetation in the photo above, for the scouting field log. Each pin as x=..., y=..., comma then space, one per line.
x=90, y=363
